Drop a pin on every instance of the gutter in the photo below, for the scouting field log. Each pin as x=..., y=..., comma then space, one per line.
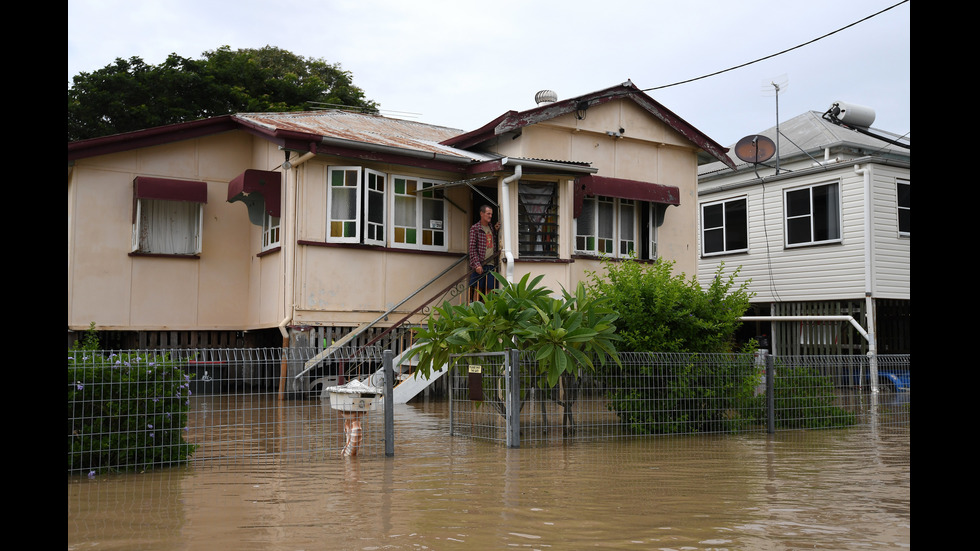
x=377, y=148
x=704, y=180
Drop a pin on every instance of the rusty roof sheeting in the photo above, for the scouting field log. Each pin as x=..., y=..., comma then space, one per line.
x=362, y=128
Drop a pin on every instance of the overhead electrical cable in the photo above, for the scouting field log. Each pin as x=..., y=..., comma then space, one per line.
x=746, y=64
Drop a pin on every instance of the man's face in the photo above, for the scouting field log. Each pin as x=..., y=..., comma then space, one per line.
x=486, y=216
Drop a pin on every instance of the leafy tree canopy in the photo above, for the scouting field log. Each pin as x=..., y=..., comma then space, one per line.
x=662, y=312
x=129, y=95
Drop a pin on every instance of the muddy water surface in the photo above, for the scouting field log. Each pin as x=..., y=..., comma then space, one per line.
x=841, y=489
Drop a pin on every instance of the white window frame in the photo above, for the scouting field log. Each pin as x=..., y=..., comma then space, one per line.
x=726, y=227
x=906, y=209
x=413, y=231
x=808, y=219
x=341, y=229
x=375, y=200
x=617, y=245
x=165, y=213
x=271, y=231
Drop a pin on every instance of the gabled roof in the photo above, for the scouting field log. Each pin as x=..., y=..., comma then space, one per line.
x=295, y=130
x=346, y=128
x=513, y=120
x=811, y=133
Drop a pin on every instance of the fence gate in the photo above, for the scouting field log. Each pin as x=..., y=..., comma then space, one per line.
x=484, y=397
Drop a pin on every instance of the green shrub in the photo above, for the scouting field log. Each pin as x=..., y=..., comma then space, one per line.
x=126, y=411
x=701, y=394
x=662, y=312
x=804, y=399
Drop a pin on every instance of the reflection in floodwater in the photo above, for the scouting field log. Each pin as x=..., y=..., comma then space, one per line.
x=833, y=489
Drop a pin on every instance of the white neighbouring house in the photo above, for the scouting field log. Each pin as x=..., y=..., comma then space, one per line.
x=828, y=235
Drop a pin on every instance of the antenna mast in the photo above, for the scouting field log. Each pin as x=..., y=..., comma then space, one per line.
x=776, y=86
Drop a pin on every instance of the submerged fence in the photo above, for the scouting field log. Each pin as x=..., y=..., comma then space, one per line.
x=140, y=409
x=143, y=409
x=502, y=398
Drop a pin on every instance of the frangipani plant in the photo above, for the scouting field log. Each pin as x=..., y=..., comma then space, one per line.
x=566, y=334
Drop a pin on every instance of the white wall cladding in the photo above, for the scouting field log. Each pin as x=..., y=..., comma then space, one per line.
x=892, y=257
x=817, y=272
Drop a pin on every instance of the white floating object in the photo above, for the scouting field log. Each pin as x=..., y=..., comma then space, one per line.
x=353, y=396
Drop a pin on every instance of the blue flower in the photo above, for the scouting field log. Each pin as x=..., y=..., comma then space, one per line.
x=149, y=426
x=151, y=435
x=91, y=474
x=79, y=385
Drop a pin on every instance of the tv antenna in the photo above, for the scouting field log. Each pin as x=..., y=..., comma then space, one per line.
x=774, y=86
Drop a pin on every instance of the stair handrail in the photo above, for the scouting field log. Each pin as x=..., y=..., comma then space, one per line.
x=331, y=350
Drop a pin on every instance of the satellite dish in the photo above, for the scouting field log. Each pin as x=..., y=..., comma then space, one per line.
x=755, y=149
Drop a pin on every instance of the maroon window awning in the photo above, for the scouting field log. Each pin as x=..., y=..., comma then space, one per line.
x=171, y=190
x=622, y=188
x=267, y=183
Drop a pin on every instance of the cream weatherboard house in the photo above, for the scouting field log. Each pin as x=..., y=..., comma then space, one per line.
x=273, y=229
x=829, y=235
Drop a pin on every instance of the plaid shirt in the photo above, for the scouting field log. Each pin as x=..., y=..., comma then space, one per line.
x=478, y=245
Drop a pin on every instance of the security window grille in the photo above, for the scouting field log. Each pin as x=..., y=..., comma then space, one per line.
x=537, y=219
x=724, y=227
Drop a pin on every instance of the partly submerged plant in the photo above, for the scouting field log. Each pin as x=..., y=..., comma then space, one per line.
x=565, y=334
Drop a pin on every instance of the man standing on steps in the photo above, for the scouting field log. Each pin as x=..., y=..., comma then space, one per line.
x=483, y=254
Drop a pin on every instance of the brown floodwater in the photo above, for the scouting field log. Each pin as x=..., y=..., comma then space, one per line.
x=820, y=489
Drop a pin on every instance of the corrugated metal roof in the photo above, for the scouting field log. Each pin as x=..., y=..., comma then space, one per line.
x=810, y=132
x=363, y=128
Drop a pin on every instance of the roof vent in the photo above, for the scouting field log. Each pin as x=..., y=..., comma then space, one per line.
x=545, y=96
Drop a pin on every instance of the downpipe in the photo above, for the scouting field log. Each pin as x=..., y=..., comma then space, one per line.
x=505, y=216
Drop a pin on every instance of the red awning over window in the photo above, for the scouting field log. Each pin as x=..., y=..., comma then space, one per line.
x=624, y=189
x=170, y=190
x=267, y=183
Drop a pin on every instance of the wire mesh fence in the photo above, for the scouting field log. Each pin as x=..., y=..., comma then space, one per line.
x=658, y=393
x=140, y=409
x=479, y=389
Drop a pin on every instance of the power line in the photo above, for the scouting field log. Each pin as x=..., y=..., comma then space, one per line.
x=746, y=64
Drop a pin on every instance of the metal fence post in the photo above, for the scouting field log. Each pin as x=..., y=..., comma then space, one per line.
x=388, y=360
x=513, y=400
x=770, y=394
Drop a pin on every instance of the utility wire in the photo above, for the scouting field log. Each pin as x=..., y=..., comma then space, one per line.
x=746, y=64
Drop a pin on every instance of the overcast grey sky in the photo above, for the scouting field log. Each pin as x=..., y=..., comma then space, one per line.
x=460, y=63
